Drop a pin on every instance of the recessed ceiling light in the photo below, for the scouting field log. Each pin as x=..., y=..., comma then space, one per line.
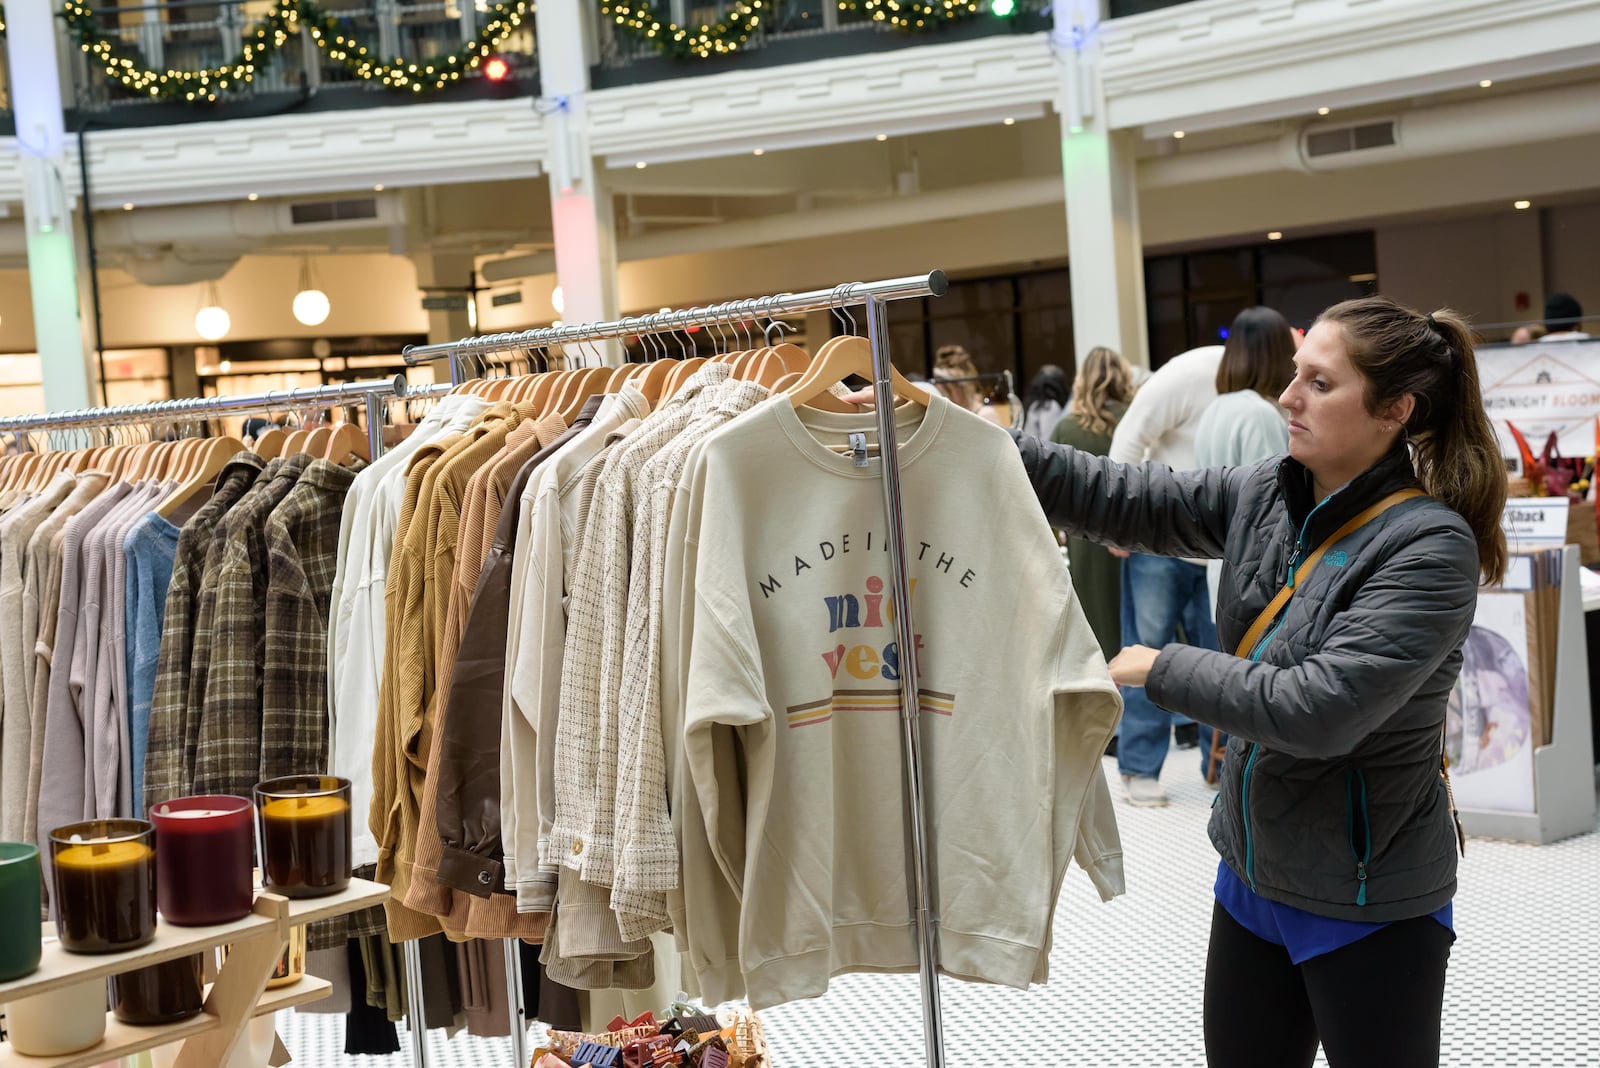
x=1179, y=134
x=760, y=152
x=253, y=196
x=378, y=188
x=1486, y=83
x=1008, y=121
x=641, y=165
x=1274, y=235
x=1323, y=111
x=881, y=137
x=1521, y=204
x=127, y=207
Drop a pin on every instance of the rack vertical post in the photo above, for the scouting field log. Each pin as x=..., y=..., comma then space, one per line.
x=910, y=701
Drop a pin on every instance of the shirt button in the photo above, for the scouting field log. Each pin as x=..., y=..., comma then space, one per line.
x=484, y=878
x=577, y=847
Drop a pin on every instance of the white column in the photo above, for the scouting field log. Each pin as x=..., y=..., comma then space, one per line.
x=47, y=207
x=584, y=223
x=1098, y=167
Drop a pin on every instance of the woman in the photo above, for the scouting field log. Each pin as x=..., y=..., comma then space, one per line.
x=1244, y=426
x=1044, y=401
x=957, y=378
x=1336, y=832
x=1100, y=396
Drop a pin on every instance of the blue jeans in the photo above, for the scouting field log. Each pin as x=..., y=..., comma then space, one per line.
x=1159, y=594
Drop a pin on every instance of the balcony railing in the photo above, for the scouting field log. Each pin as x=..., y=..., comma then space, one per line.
x=192, y=35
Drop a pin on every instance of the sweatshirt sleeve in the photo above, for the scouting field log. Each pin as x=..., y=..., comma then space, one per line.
x=705, y=908
x=1148, y=508
x=1413, y=611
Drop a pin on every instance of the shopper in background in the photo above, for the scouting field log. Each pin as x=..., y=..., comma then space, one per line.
x=1528, y=333
x=957, y=378
x=1100, y=397
x=1333, y=920
x=1160, y=596
x=1044, y=401
x=1563, y=315
x=1242, y=427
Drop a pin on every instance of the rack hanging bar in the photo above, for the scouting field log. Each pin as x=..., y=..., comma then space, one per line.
x=179, y=410
x=934, y=283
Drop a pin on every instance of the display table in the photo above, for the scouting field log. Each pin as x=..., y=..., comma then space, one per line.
x=238, y=995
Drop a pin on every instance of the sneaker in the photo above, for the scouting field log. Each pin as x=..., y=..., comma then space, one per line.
x=1144, y=791
x=1186, y=735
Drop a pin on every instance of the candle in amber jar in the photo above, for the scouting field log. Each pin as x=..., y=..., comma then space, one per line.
x=105, y=884
x=204, y=854
x=161, y=993
x=305, y=835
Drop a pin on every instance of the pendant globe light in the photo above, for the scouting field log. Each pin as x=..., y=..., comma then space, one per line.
x=212, y=322
x=311, y=305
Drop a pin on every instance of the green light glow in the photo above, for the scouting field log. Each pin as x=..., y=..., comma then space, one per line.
x=1003, y=8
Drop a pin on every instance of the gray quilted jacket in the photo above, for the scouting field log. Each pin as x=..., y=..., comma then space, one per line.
x=1331, y=798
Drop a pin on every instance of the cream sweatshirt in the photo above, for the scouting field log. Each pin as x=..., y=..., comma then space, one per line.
x=787, y=698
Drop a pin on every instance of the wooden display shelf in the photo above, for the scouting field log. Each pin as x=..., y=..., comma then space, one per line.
x=120, y=1041
x=238, y=995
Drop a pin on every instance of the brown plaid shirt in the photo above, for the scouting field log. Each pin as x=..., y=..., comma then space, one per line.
x=302, y=555
x=228, y=757
x=302, y=538
x=172, y=737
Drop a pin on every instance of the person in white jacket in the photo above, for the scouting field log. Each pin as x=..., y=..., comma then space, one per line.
x=1242, y=427
x=1161, y=594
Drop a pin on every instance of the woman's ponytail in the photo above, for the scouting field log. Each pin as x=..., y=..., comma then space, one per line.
x=1399, y=351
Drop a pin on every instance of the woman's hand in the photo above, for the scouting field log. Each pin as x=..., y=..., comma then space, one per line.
x=1132, y=666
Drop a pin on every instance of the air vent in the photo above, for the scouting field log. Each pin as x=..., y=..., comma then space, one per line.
x=323, y=212
x=1325, y=142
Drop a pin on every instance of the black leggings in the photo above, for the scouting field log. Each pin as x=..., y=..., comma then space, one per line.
x=1375, y=1003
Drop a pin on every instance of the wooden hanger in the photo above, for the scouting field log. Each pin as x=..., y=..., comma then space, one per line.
x=317, y=440
x=589, y=383
x=213, y=455
x=681, y=374
x=270, y=445
x=652, y=379
x=836, y=361
x=345, y=441
x=549, y=384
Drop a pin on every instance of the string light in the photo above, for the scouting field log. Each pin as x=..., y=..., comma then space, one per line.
x=268, y=37
x=639, y=18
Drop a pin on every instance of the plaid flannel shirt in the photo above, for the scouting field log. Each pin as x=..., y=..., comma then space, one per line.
x=228, y=757
x=172, y=737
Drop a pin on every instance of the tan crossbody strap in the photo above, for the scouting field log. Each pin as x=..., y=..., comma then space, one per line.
x=1270, y=613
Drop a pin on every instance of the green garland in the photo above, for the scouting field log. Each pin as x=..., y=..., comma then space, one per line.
x=914, y=14
x=640, y=20
x=268, y=36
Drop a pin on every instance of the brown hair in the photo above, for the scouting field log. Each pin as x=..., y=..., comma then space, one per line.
x=1102, y=376
x=953, y=361
x=1258, y=355
x=1399, y=350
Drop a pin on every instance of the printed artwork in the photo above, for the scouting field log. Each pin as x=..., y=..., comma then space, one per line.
x=1489, y=721
x=862, y=645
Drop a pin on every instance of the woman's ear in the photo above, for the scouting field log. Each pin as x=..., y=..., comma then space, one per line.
x=1400, y=411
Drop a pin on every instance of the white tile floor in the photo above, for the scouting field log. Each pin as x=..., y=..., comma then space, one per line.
x=1524, y=982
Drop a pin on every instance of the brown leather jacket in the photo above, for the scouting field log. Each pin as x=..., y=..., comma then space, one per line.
x=469, y=763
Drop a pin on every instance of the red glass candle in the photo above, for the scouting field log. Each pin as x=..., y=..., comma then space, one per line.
x=305, y=834
x=105, y=884
x=205, y=849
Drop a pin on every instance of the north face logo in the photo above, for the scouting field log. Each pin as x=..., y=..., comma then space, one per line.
x=1338, y=559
